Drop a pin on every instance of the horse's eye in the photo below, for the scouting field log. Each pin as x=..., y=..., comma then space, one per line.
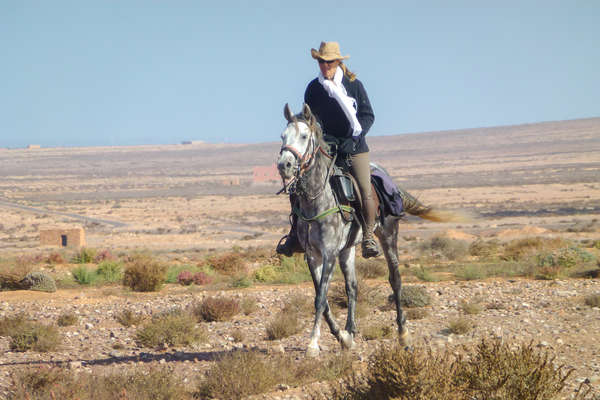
x=304, y=136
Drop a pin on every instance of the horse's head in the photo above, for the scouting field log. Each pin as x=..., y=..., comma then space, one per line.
x=298, y=145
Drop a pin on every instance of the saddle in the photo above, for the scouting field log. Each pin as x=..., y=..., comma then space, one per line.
x=388, y=199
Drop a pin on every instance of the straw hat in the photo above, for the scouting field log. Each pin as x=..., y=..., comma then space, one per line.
x=328, y=51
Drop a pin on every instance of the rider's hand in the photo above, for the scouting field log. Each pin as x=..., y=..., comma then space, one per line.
x=348, y=146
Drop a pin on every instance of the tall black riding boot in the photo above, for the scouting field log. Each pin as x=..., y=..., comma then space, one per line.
x=291, y=243
x=370, y=248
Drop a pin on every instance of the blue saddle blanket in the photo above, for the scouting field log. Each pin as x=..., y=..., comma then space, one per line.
x=388, y=192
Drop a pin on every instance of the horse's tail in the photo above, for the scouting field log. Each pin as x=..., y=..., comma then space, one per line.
x=413, y=206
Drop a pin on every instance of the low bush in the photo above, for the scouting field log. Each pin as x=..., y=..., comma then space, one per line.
x=85, y=255
x=216, y=309
x=104, y=255
x=67, y=319
x=415, y=313
x=371, y=268
x=485, y=249
x=283, y=325
x=38, y=281
x=55, y=258
x=248, y=305
x=34, y=336
x=460, y=325
x=84, y=275
x=414, y=296
x=241, y=281
x=520, y=249
x=143, y=273
x=470, y=272
x=490, y=370
x=129, y=318
x=12, y=272
x=172, y=329
x=471, y=307
x=378, y=331
x=110, y=271
x=185, y=278
x=291, y=270
x=593, y=300
x=452, y=249
x=49, y=383
x=425, y=275
x=201, y=278
x=12, y=324
x=228, y=264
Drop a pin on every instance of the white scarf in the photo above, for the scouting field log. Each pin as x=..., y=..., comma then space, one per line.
x=336, y=90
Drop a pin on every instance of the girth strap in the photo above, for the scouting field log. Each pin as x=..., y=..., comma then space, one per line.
x=338, y=208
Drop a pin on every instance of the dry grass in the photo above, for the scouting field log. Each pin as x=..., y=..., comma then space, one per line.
x=283, y=325
x=471, y=307
x=50, y=383
x=378, y=331
x=460, y=325
x=490, y=370
x=371, y=268
x=67, y=319
x=143, y=273
x=254, y=373
x=216, y=309
x=34, y=336
x=593, y=300
x=129, y=318
x=171, y=329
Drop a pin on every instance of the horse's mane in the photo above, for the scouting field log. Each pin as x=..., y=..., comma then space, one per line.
x=315, y=127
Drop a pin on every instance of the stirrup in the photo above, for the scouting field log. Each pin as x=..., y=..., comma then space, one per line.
x=370, y=248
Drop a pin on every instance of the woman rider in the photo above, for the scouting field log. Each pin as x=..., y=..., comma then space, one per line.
x=340, y=103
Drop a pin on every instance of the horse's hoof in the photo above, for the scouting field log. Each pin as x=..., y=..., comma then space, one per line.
x=404, y=338
x=346, y=340
x=312, y=352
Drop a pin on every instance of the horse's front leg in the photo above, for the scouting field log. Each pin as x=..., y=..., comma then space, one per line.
x=388, y=237
x=321, y=269
x=347, y=265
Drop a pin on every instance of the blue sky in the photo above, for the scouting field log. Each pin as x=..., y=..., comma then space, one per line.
x=87, y=73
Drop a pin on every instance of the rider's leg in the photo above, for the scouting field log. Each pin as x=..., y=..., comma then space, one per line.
x=362, y=173
x=291, y=244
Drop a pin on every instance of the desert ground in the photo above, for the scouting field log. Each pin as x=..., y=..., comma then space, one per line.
x=184, y=201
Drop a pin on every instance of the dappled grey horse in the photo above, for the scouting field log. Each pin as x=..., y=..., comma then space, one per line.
x=325, y=234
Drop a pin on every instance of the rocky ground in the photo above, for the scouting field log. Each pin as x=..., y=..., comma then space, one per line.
x=552, y=314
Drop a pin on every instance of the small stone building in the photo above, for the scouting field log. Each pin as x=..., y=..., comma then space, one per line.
x=62, y=237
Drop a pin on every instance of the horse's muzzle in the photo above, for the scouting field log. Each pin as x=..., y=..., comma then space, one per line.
x=286, y=164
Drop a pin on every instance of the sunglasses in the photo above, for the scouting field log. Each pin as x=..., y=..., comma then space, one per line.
x=326, y=62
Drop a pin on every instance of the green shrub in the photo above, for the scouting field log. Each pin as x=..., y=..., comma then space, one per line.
x=39, y=281
x=84, y=275
x=143, y=273
x=414, y=296
x=67, y=319
x=85, y=255
x=283, y=325
x=241, y=281
x=217, y=309
x=173, y=329
x=266, y=274
x=110, y=271
x=425, y=275
x=470, y=272
x=34, y=336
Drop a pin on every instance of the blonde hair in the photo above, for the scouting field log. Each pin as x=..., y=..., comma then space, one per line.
x=349, y=74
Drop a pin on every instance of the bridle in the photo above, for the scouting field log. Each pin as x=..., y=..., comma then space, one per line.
x=305, y=162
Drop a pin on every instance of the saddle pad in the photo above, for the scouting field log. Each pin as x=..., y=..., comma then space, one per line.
x=388, y=191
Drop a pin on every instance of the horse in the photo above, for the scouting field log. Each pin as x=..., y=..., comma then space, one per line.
x=327, y=235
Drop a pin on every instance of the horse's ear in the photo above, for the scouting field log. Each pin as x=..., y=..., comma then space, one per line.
x=287, y=113
x=306, y=112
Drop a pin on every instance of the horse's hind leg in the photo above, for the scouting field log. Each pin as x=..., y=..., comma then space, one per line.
x=316, y=271
x=388, y=237
x=347, y=266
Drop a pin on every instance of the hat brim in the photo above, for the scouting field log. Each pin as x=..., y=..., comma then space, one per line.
x=318, y=56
